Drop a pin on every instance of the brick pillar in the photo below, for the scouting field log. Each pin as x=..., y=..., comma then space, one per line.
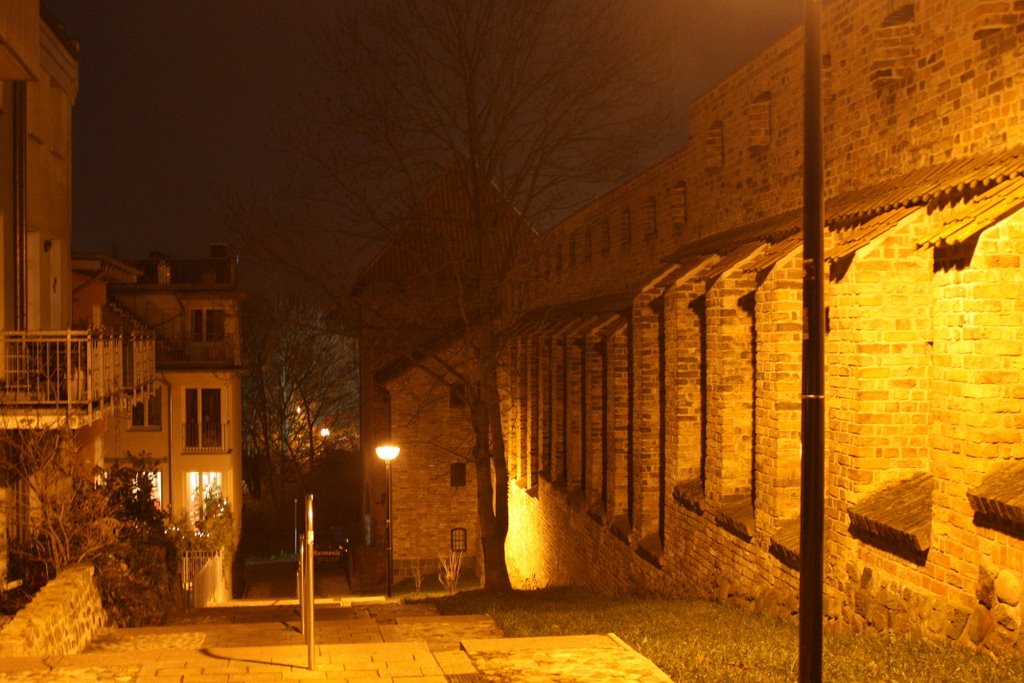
x=522, y=386
x=730, y=388
x=544, y=403
x=574, y=445
x=646, y=413
x=684, y=313
x=779, y=317
x=533, y=412
x=596, y=417
x=558, y=409
x=617, y=389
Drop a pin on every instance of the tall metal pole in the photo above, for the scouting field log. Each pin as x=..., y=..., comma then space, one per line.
x=812, y=488
x=387, y=476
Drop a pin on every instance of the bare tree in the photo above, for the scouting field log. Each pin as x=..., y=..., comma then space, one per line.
x=300, y=395
x=449, y=130
x=62, y=516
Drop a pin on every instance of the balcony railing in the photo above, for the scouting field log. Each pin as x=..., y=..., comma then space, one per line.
x=202, y=273
x=205, y=437
x=77, y=374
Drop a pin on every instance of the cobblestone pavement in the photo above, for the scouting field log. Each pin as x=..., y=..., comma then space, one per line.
x=357, y=639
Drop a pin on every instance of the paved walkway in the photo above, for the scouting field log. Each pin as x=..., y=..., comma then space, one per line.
x=357, y=639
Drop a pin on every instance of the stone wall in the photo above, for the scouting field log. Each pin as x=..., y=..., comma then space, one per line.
x=61, y=619
x=652, y=401
x=699, y=479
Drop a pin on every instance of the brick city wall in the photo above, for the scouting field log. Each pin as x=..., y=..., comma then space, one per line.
x=676, y=409
x=61, y=619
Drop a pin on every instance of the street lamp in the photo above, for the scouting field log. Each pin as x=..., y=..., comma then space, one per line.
x=387, y=453
x=812, y=429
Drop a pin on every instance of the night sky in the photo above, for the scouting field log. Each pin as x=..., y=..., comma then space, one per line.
x=182, y=102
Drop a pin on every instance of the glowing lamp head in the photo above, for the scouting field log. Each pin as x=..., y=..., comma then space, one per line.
x=387, y=453
x=325, y=432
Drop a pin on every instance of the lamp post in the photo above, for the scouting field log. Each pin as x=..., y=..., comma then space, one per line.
x=812, y=467
x=387, y=453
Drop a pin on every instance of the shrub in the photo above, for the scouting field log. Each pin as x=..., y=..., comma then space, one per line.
x=136, y=577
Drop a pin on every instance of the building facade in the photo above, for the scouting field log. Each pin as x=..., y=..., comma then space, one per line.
x=190, y=427
x=652, y=403
x=56, y=378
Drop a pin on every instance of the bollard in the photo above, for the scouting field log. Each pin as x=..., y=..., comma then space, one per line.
x=308, y=576
x=300, y=586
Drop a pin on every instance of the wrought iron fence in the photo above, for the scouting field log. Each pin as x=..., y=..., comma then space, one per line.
x=202, y=578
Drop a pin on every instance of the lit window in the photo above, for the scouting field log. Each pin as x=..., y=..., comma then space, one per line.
x=156, y=487
x=201, y=487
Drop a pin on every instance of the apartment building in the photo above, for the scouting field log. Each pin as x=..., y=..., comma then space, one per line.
x=55, y=377
x=189, y=427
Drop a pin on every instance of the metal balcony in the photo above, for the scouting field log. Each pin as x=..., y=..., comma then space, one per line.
x=55, y=378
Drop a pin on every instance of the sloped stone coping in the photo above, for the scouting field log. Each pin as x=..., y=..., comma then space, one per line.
x=60, y=620
x=690, y=494
x=598, y=513
x=650, y=549
x=998, y=503
x=785, y=543
x=620, y=528
x=897, y=519
x=736, y=515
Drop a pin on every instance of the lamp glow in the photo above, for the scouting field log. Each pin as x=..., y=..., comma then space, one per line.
x=388, y=453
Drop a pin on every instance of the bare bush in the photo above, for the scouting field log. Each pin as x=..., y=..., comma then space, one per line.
x=450, y=568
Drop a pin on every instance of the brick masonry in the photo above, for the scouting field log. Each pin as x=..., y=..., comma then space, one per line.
x=652, y=416
x=925, y=341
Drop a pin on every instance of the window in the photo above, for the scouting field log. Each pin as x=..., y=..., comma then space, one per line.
x=626, y=227
x=202, y=486
x=652, y=219
x=156, y=486
x=457, y=474
x=459, y=541
x=679, y=207
x=208, y=325
x=146, y=414
x=202, y=419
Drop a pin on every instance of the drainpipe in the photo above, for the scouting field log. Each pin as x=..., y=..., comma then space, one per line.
x=162, y=378
x=19, y=115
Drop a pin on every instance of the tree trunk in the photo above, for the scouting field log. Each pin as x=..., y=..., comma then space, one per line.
x=491, y=482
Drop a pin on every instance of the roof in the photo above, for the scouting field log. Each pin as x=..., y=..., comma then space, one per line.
x=439, y=233
x=973, y=193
